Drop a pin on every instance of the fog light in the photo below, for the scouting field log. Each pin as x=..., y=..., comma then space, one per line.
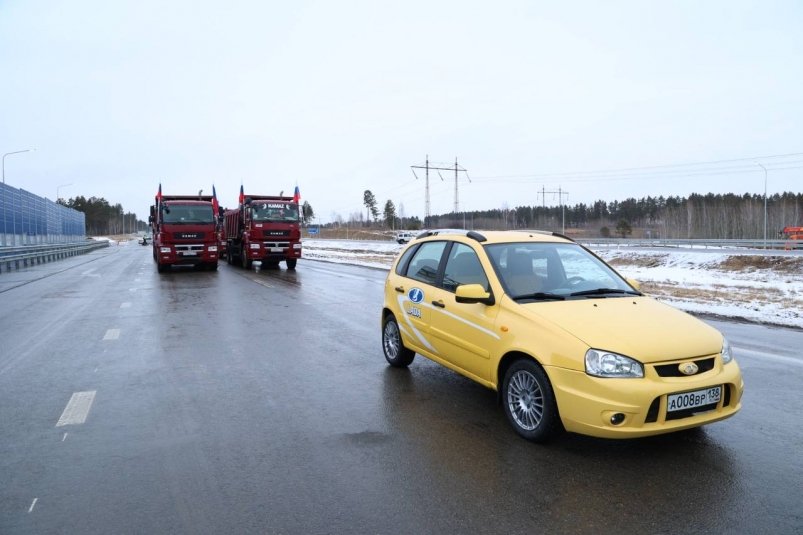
x=617, y=418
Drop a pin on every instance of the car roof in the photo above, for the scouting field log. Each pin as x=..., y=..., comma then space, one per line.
x=497, y=236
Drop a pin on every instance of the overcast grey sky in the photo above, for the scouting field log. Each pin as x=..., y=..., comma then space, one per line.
x=343, y=96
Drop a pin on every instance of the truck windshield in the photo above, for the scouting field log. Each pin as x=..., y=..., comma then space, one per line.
x=271, y=211
x=188, y=214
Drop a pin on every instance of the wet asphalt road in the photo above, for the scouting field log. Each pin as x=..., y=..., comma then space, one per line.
x=237, y=402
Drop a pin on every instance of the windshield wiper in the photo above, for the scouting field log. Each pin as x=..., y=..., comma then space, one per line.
x=603, y=291
x=539, y=296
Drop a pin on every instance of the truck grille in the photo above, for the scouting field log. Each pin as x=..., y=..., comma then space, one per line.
x=282, y=244
x=188, y=235
x=189, y=248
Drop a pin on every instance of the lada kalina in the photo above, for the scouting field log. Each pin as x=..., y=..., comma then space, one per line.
x=566, y=341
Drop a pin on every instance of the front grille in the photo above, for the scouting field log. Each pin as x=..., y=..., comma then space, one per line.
x=679, y=415
x=282, y=244
x=183, y=249
x=188, y=235
x=273, y=234
x=652, y=413
x=672, y=370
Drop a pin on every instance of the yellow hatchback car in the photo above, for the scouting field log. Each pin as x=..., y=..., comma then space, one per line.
x=565, y=340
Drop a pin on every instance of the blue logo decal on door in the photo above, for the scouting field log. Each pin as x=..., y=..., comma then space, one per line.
x=416, y=295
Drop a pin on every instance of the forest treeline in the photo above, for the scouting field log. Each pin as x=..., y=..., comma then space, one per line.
x=103, y=218
x=712, y=216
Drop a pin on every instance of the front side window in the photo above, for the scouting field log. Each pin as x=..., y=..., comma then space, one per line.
x=424, y=264
x=463, y=267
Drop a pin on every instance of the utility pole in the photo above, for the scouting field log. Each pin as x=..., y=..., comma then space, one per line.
x=427, y=167
x=560, y=193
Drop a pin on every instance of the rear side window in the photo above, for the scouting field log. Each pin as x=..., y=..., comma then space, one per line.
x=426, y=261
x=401, y=266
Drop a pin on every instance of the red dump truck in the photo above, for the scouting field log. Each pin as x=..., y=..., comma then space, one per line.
x=263, y=228
x=185, y=231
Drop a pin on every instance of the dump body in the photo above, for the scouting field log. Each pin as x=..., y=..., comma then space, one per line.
x=794, y=236
x=263, y=228
x=185, y=231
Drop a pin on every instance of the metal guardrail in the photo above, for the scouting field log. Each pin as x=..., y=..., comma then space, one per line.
x=16, y=257
x=694, y=243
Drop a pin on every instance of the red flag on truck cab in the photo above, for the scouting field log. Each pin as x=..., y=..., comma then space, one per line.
x=296, y=195
x=159, y=194
x=215, y=205
x=242, y=195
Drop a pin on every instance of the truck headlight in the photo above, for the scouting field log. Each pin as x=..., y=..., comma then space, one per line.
x=727, y=352
x=296, y=246
x=164, y=249
x=254, y=246
x=606, y=364
x=212, y=248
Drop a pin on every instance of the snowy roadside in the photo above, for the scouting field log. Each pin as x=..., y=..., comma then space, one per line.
x=728, y=283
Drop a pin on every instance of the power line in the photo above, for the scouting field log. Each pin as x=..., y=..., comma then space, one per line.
x=745, y=164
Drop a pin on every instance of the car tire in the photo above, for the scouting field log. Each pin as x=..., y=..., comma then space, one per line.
x=529, y=401
x=396, y=354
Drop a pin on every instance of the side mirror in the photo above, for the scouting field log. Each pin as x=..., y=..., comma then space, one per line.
x=473, y=293
x=634, y=283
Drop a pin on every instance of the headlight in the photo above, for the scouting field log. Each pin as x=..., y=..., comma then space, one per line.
x=605, y=364
x=164, y=249
x=254, y=246
x=212, y=248
x=296, y=246
x=727, y=352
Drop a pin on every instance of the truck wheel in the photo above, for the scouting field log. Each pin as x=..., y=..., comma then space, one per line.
x=291, y=263
x=246, y=262
x=396, y=354
x=161, y=268
x=529, y=402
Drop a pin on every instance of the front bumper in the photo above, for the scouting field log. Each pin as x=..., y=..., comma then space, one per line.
x=586, y=404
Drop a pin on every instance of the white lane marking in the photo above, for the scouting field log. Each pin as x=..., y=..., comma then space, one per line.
x=769, y=356
x=90, y=273
x=77, y=408
x=33, y=504
x=112, y=334
x=127, y=304
x=64, y=437
x=265, y=284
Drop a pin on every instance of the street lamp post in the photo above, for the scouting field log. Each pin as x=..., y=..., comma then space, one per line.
x=765, y=203
x=9, y=154
x=5, y=230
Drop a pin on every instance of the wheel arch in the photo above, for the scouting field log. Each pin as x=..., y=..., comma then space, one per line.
x=506, y=361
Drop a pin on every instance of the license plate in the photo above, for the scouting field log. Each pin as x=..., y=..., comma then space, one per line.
x=276, y=249
x=691, y=400
x=189, y=253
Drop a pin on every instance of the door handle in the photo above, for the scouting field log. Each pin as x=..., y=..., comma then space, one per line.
x=400, y=289
x=439, y=304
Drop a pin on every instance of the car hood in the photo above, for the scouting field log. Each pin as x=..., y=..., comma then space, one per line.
x=639, y=327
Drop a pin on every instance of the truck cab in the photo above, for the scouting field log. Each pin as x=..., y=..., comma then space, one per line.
x=185, y=232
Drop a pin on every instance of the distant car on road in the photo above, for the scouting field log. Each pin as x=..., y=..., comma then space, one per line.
x=566, y=341
x=404, y=237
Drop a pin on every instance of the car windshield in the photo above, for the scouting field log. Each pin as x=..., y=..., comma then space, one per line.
x=554, y=271
x=187, y=214
x=268, y=211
